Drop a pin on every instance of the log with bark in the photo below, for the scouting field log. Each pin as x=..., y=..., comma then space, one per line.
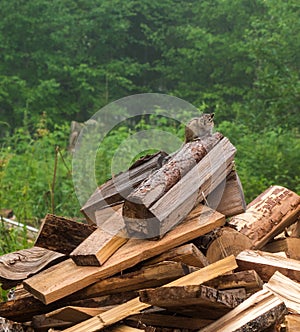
x=258, y=312
x=146, y=216
x=135, y=306
x=19, y=265
x=61, y=234
x=66, y=278
x=115, y=190
x=268, y=215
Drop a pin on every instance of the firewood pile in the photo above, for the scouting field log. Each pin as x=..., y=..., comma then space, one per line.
x=169, y=245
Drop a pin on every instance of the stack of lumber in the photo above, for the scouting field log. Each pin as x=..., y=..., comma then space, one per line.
x=169, y=245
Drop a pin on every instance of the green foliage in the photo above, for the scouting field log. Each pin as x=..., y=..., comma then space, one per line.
x=63, y=60
x=27, y=172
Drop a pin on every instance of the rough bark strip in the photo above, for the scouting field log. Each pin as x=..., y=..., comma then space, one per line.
x=61, y=234
x=268, y=215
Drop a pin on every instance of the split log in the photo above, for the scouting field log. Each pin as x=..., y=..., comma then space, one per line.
x=75, y=314
x=161, y=318
x=194, y=300
x=149, y=276
x=24, y=309
x=287, y=290
x=173, y=207
x=266, y=264
x=125, y=328
x=61, y=234
x=119, y=187
x=229, y=242
x=228, y=198
x=290, y=245
x=102, y=243
x=249, y=280
x=268, y=215
x=66, y=278
x=292, y=323
x=188, y=254
x=19, y=265
x=159, y=182
x=135, y=306
x=258, y=312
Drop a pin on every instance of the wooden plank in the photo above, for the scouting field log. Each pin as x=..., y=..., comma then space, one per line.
x=66, y=278
x=258, y=312
x=228, y=242
x=61, y=234
x=268, y=215
x=249, y=280
x=173, y=207
x=290, y=245
x=102, y=243
x=228, y=198
x=188, y=254
x=116, y=189
x=135, y=306
x=195, y=300
x=266, y=264
x=19, y=265
x=287, y=290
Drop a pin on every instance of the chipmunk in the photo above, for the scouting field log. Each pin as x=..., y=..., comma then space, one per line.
x=196, y=128
x=199, y=127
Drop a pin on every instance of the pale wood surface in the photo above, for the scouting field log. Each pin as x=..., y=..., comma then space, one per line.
x=268, y=215
x=135, y=306
x=66, y=278
x=287, y=290
x=19, y=265
x=61, y=234
x=260, y=310
x=266, y=264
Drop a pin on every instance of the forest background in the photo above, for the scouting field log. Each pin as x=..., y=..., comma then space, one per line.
x=64, y=60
